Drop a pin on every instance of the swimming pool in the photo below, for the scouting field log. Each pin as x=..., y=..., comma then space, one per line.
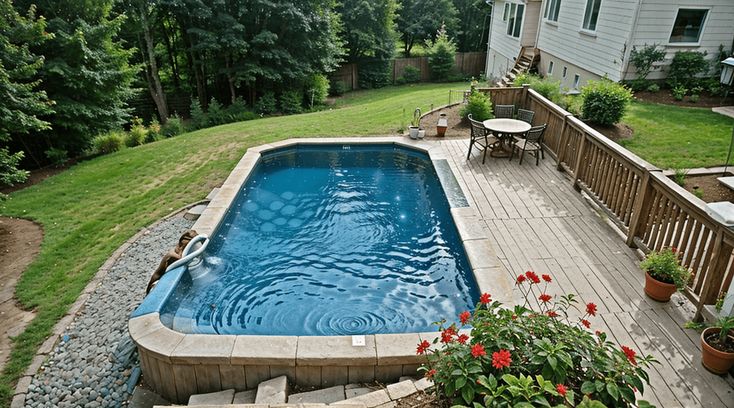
x=330, y=240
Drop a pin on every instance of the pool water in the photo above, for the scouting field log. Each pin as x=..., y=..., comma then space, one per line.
x=330, y=240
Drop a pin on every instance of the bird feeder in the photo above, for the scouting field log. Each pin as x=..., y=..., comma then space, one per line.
x=443, y=124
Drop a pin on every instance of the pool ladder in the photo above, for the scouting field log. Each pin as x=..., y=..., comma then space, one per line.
x=191, y=255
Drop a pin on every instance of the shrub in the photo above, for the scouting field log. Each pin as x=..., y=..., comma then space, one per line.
x=108, y=143
x=531, y=355
x=154, y=131
x=547, y=87
x=56, y=156
x=441, y=55
x=10, y=174
x=291, y=101
x=374, y=73
x=679, y=92
x=266, y=104
x=199, y=118
x=411, y=74
x=665, y=267
x=680, y=176
x=317, y=89
x=694, y=98
x=686, y=67
x=238, y=112
x=644, y=59
x=572, y=103
x=174, y=126
x=136, y=136
x=478, y=105
x=653, y=88
x=216, y=113
x=338, y=88
x=604, y=101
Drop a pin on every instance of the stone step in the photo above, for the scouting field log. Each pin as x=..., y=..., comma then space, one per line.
x=195, y=212
x=370, y=400
x=245, y=397
x=143, y=398
x=326, y=395
x=273, y=391
x=213, y=398
x=357, y=391
x=401, y=389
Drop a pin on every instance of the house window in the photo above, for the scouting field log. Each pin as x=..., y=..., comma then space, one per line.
x=550, y=68
x=565, y=71
x=576, y=80
x=514, y=20
x=688, y=25
x=506, y=12
x=551, y=10
x=591, y=15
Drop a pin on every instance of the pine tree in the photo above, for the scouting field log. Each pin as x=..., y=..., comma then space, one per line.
x=441, y=55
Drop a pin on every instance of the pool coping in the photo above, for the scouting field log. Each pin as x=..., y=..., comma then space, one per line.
x=165, y=351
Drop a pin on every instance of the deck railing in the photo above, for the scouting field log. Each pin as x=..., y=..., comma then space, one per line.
x=646, y=205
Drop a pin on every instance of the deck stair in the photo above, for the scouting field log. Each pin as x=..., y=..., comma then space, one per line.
x=525, y=61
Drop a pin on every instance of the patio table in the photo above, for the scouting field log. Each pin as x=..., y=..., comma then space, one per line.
x=505, y=131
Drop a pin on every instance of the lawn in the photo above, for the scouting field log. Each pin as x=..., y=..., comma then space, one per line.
x=92, y=208
x=677, y=137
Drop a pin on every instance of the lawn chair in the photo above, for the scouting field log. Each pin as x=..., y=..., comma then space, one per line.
x=525, y=115
x=480, y=137
x=533, y=142
x=504, y=111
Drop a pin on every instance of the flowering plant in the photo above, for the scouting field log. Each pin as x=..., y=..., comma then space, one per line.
x=540, y=353
x=665, y=266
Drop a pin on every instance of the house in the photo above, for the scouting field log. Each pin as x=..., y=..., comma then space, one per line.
x=577, y=40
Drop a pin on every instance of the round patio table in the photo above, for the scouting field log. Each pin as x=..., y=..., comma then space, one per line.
x=504, y=130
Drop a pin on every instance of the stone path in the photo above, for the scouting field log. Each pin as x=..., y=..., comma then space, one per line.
x=95, y=363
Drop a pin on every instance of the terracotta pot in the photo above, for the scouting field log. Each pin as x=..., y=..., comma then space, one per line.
x=718, y=362
x=657, y=290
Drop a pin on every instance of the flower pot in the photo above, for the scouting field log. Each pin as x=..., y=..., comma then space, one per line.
x=657, y=290
x=421, y=134
x=413, y=132
x=443, y=124
x=716, y=361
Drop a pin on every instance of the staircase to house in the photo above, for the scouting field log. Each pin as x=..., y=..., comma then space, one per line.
x=525, y=61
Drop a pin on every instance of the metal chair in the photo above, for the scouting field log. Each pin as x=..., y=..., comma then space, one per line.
x=480, y=137
x=504, y=111
x=533, y=142
x=525, y=115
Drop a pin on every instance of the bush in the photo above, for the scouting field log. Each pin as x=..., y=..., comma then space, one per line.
x=547, y=87
x=173, y=127
x=694, y=98
x=441, y=55
x=532, y=355
x=665, y=267
x=644, y=59
x=317, y=89
x=199, y=118
x=10, y=174
x=291, y=101
x=686, y=67
x=478, y=105
x=572, y=103
x=679, y=92
x=374, y=73
x=411, y=74
x=338, y=88
x=238, y=112
x=653, y=88
x=56, y=156
x=215, y=113
x=266, y=104
x=605, y=102
x=154, y=131
x=136, y=136
x=108, y=142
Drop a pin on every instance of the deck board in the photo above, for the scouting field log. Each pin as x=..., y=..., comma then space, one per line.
x=536, y=220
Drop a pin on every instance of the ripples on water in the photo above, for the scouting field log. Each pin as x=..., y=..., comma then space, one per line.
x=325, y=241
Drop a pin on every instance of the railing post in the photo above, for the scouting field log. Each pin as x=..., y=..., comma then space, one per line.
x=640, y=208
x=525, y=96
x=714, y=274
x=563, y=141
x=577, y=173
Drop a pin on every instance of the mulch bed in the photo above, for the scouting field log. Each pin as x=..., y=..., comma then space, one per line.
x=615, y=132
x=713, y=190
x=457, y=127
x=664, y=97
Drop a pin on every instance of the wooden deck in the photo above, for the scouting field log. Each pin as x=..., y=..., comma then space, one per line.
x=539, y=222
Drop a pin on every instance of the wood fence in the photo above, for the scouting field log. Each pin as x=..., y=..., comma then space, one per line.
x=647, y=206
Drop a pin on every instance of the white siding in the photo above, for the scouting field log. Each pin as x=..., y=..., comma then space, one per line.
x=601, y=53
x=504, y=48
x=655, y=23
x=530, y=24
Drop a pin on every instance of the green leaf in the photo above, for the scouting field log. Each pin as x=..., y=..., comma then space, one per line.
x=460, y=382
x=456, y=372
x=467, y=393
x=588, y=387
x=644, y=404
x=627, y=393
x=553, y=362
x=613, y=390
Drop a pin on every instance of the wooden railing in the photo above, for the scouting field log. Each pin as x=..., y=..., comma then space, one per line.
x=647, y=206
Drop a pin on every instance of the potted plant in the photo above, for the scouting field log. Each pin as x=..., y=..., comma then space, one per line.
x=414, y=127
x=717, y=346
x=663, y=274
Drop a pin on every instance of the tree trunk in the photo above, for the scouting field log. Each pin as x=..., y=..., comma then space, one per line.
x=154, y=80
x=171, y=56
x=230, y=78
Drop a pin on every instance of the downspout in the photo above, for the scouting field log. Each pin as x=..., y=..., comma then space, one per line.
x=625, y=58
x=489, y=39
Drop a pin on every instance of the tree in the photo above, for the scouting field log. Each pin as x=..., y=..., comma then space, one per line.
x=369, y=28
x=473, y=25
x=419, y=20
x=21, y=102
x=441, y=55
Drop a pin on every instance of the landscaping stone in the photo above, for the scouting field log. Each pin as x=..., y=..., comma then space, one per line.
x=356, y=392
x=401, y=389
x=94, y=352
x=273, y=391
x=326, y=396
x=142, y=398
x=195, y=212
x=423, y=384
x=370, y=400
x=213, y=398
x=245, y=397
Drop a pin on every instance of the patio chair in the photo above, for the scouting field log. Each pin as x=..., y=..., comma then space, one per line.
x=504, y=111
x=533, y=142
x=480, y=137
x=525, y=115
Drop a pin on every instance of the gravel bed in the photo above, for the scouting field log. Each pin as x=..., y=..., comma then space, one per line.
x=95, y=364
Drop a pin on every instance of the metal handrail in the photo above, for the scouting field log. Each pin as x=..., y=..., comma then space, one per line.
x=186, y=256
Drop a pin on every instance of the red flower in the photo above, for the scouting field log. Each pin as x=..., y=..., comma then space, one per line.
x=464, y=317
x=673, y=249
x=547, y=278
x=630, y=354
x=477, y=351
x=423, y=347
x=462, y=338
x=430, y=373
x=551, y=313
x=485, y=298
x=586, y=323
x=501, y=359
x=545, y=298
x=514, y=317
x=520, y=279
x=561, y=389
x=598, y=333
x=532, y=276
x=447, y=335
x=591, y=309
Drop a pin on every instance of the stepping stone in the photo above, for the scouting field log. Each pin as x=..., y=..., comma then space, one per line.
x=244, y=397
x=143, y=398
x=401, y=389
x=423, y=384
x=273, y=391
x=356, y=392
x=326, y=396
x=370, y=400
x=213, y=398
x=195, y=212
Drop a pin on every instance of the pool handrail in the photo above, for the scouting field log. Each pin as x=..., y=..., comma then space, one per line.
x=186, y=255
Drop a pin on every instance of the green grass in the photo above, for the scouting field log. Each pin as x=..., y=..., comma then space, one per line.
x=91, y=209
x=678, y=137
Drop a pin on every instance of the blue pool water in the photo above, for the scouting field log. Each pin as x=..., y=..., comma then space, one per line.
x=330, y=240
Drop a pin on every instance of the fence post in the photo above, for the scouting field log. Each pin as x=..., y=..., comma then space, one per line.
x=640, y=208
x=577, y=173
x=562, y=142
x=714, y=274
x=524, y=95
